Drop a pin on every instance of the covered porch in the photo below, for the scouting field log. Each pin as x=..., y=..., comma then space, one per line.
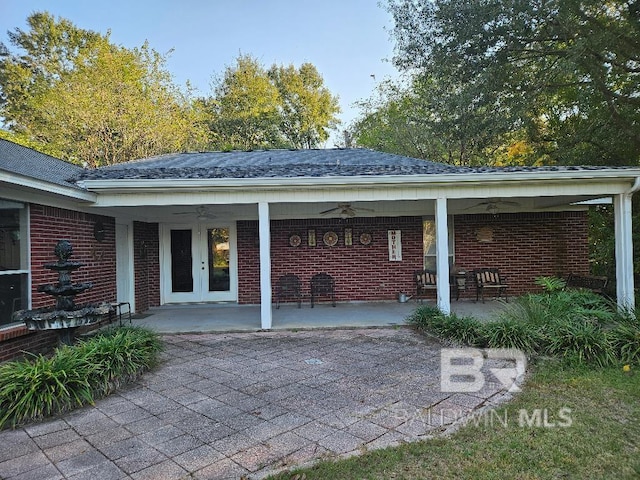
x=359, y=216
x=231, y=317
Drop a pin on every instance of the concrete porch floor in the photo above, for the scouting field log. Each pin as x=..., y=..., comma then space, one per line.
x=245, y=318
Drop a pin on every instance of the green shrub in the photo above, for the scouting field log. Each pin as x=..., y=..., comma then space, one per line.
x=120, y=354
x=465, y=330
x=423, y=316
x=581, y=342
x=74, y=376
x=511, y=333
x=39, y=387
x=551, y=284
x=577, y=325
x=625, y=341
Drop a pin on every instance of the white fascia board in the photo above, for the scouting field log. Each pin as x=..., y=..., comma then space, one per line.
x=48, y=187
x=129, y=185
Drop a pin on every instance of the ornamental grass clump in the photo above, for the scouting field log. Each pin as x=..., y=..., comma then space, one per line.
x=119, y=356
x=466, y=330
x=74, y=376
x=513, y=333
x=576, y=325
x=40, y=387
x=581, y=342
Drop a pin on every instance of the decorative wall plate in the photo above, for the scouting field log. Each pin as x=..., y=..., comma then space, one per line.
x=295, y=240
x=330, y=239
x=365, y=238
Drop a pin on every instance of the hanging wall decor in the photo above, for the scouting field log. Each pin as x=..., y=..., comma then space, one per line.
x=348, y=237
x=395, y=245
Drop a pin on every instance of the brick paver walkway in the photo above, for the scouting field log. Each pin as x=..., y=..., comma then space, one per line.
x=244, y=405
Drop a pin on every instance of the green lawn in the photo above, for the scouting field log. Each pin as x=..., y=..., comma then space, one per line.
x=603, y=440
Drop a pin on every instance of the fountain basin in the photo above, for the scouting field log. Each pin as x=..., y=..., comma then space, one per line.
x=53, y=319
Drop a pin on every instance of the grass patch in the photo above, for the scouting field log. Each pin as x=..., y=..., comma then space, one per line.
x=602, y=440
x=74, y=376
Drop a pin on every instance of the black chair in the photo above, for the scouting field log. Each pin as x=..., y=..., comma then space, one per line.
x=490, y=279
x=322, y=284
x=288, y=287
x=426, y=280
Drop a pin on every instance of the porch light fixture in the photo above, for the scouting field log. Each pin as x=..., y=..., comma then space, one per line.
x=492, y=208
x=98, y=231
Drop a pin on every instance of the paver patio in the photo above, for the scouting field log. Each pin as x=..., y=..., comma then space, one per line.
x=243, y=405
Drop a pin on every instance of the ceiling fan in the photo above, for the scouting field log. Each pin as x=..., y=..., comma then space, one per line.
x=345, y=210
x=201, y=213
x=492, y=206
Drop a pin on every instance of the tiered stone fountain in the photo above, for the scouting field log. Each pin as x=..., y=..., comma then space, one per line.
x=66, y=316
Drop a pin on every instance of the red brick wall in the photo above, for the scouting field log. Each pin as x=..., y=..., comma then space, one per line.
x=50, y=224
x=524, y=246
x=362, y=273
x=146, y=265
x=14, y=342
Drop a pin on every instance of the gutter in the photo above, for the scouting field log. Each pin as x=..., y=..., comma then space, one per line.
x=376, y=180
x=47, y=187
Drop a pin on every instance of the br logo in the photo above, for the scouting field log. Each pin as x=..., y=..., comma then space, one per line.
x=465, y=369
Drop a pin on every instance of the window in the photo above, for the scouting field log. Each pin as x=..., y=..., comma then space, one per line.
x=14, y=273
x=429, y=242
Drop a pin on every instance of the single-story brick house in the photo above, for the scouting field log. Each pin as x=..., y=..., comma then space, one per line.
x=225, y=226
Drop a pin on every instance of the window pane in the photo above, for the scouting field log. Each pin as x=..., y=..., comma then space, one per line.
x=429, y=237
x=13, y=295
x=10, y=237
x=429, y=242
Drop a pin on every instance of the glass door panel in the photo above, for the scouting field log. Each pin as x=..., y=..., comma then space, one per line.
x=181, y=261
x=218, y=257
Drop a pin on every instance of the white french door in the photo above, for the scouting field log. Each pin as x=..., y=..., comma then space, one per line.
x=199, y=263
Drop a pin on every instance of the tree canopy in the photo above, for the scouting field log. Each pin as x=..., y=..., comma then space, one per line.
x=556, y=80
x=90, y=101
x=284, y=106
x=307, y=108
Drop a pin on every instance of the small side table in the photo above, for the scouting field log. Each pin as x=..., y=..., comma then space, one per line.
x=458, y=283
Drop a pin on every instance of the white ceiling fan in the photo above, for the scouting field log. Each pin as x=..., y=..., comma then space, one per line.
x=492, y=206
x=345, y=210
x=201, y=213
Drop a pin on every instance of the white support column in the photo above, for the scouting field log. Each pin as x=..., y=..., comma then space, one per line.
x=624, y=251
x=442, y=256
x=264, y=231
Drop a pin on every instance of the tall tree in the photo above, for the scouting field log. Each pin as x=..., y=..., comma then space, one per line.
x=94, y=102
x=253, y=107
x=567, y=71
x=245, y=107
x=432, y=120
x=307, y=108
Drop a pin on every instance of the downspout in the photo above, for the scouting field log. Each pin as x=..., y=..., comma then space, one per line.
x=635, y=187
x=625, y=288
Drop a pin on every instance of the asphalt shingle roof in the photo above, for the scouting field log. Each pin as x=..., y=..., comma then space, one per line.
x=288, y=164
x=314, y=163
x=25, y=161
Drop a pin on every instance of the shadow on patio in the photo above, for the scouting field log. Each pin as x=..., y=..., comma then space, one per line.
x=233, y=317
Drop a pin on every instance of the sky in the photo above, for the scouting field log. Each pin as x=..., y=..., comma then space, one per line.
x=348, y=41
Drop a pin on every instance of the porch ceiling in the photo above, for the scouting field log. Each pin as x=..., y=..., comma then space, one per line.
x=383, y=208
